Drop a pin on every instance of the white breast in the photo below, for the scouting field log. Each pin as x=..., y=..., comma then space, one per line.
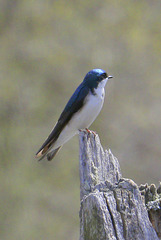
x=85, y=117
x=89, y=112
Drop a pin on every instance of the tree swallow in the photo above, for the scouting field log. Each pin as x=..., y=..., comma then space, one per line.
x=79, y=113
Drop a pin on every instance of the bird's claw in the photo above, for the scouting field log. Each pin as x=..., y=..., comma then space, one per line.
x=90, y=131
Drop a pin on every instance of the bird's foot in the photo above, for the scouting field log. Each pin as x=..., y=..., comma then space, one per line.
x=90, y=131
x=81, y=130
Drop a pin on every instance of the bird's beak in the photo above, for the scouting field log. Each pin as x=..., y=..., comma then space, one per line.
x=109, y=77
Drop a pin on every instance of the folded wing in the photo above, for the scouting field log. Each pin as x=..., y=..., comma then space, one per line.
x=74, y=104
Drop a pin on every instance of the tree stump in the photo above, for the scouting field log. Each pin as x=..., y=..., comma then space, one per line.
x=112, y=207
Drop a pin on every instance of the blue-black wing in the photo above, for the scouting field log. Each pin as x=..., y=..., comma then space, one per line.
x=74, y=104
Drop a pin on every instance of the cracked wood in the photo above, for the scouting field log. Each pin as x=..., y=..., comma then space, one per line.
x=111, y=206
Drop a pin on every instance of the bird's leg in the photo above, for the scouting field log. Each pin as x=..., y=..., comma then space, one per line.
x=89, y=131
x=81, y=130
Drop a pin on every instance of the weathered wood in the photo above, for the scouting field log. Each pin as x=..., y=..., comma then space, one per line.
x=111, y=206
x=152, y=198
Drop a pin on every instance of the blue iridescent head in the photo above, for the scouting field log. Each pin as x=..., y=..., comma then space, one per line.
x=94, y=77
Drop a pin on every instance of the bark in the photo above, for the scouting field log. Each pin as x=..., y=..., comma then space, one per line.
x=112, y=207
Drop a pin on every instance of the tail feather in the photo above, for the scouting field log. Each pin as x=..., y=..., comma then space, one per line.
x=52, y=154
x=47, y=154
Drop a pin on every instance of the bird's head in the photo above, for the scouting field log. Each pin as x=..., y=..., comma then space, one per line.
x=95, y=78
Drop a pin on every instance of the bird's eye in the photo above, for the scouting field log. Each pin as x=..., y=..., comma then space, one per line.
x=103, y=76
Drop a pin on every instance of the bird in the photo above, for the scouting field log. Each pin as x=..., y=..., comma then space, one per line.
x=79, y=113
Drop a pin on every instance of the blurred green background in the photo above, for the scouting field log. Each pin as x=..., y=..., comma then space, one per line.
x=46, y=48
